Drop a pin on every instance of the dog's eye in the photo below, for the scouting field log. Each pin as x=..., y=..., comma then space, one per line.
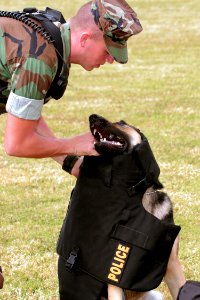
x=122, y=122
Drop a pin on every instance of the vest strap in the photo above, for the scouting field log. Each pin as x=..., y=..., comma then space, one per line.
x=140, y=187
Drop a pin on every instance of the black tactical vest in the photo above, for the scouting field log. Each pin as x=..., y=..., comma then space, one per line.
x=107, y=233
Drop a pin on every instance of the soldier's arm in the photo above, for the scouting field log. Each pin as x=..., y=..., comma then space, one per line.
x=44, y=130
x=23, y=134
x=22, y=139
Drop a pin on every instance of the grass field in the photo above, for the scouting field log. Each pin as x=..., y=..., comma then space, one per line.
x=157, y=91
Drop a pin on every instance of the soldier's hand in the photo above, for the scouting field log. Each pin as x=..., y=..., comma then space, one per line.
x=83, y=145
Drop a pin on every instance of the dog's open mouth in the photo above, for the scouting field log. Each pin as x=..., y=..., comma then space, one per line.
x=109, y=139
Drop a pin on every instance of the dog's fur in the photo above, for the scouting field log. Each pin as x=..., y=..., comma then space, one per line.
x=118, y=138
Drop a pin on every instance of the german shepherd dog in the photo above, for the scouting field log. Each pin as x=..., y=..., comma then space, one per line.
x=119, y=138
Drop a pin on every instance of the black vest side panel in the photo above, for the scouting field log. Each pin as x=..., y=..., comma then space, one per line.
x=119, y=241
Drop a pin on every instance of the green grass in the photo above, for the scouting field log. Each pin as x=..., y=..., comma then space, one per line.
x=158, y=91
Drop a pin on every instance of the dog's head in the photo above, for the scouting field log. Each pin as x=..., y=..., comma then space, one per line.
x=119, y=138
x=113, y=138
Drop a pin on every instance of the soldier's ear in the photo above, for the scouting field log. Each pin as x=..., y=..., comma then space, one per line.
x=84, y=38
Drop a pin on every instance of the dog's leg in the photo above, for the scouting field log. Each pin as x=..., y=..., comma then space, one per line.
x=115, y=293
x=174, y=276
x=131, y=295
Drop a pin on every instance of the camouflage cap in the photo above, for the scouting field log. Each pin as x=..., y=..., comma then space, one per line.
x=118, y=21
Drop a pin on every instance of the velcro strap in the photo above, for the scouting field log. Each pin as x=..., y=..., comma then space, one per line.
x=162, y=234
x=129, y=235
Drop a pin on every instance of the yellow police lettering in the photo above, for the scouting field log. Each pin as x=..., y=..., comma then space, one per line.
x=115, y=270
x=121, y=254
x=118, y=259
x=112, y=277
x=118, y=263
x=123, y=248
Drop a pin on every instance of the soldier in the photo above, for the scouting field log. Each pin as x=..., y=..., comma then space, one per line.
x=96, y=35
x=28, y=65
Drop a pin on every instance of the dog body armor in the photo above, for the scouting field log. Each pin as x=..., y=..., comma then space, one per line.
x=107, y=233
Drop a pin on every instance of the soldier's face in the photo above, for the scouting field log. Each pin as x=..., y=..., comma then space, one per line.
x=95, y=53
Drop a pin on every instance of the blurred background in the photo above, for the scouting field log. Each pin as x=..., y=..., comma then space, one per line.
x=157, y=91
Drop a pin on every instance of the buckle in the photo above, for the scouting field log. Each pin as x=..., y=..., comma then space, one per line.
x=71, y=259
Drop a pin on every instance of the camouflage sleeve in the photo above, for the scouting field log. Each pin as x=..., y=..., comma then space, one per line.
x=30, y=81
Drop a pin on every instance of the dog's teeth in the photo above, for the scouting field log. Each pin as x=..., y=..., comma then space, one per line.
x=116, y=143
x=94, y=131
x=104, y=139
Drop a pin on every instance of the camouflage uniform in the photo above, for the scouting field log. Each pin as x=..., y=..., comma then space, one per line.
x=28, y=64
